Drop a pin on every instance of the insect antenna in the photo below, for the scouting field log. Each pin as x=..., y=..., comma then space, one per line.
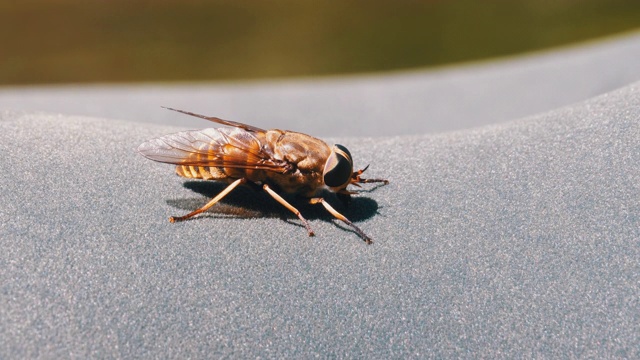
x=356, y=179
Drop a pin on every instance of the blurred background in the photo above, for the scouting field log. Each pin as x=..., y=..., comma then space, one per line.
x=110, y=41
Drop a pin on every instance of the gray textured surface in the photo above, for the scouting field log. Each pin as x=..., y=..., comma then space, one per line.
x=403, y=103
x=513, y=240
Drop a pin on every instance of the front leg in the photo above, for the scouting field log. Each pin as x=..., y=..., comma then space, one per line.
x=337, y=215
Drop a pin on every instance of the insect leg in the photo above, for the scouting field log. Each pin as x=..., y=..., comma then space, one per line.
x=288, y=206
x=337, y=215
x=218, y=197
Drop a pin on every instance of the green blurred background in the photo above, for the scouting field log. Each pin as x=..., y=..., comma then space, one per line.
x=78, y=41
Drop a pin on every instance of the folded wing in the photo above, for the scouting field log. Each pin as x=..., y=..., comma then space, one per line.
x=223, y=147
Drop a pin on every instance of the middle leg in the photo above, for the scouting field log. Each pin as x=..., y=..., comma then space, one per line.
x=284, y=203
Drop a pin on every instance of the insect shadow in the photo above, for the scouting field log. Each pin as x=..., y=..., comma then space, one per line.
x=249, y=202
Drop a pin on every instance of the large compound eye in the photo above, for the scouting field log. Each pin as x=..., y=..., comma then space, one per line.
x=338, y=168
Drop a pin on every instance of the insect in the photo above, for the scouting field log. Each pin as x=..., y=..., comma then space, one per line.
x=276, y=160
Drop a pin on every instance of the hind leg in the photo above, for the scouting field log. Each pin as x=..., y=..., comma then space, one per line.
x=213, y=201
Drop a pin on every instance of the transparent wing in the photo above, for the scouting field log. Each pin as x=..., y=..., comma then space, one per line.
x=224, y=147
x=220, y=121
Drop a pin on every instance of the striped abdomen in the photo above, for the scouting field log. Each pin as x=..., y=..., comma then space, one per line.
x=201, y=172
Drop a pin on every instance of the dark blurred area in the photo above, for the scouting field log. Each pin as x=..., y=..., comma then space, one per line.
x=80, y=41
